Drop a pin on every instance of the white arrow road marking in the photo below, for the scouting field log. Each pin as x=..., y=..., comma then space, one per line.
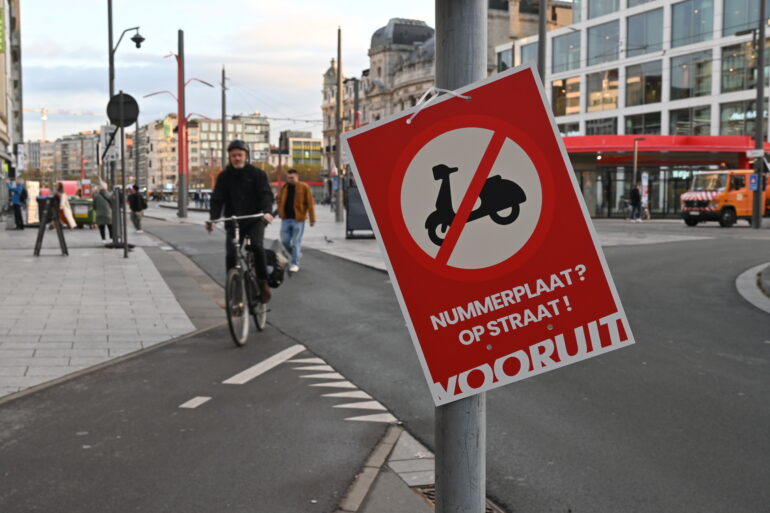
x=307, y=360
x=327, y=368
x=364, y=405
x=326, y=375
x=264, y=366
x=357, y=394
x=335, y=384
x=377, y=417
x=195, y=402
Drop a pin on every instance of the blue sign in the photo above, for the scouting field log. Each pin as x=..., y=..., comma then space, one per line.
x=753, y=182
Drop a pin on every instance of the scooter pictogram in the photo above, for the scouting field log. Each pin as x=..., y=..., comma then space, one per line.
x=497, y=195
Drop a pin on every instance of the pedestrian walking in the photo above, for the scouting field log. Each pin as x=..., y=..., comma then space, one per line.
x=65, y=211
x=103, y=208
x=18, y=201
x=295, y=205
x=138, y=205
x=636, y=205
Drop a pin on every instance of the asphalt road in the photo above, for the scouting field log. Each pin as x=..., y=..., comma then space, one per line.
x=677, y=422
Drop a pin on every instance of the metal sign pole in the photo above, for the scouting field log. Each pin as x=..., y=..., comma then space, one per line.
x=460, y=430
x=123, y=177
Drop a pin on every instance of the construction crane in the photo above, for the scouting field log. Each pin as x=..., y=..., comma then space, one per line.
x=43, y=120
x=63, y=112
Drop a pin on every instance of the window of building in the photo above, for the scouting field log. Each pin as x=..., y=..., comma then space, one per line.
x=577, y=11
x=692, y=121
x=601, y=7
x=602, y=89
x=569, y=129
x=505, y=59
x=739, y=67
x=603, y=43
x=692, y=21
x=644, y=83
x=741, y=15
x=528, y=54
x=691, y=75
x=738, y=118
x=645, y=33
x=634, y=3
x=566, y=96
x=647, y=123
x=566, y=52
x=605, y=126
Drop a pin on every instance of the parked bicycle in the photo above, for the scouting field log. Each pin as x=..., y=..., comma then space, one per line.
x=242, y=297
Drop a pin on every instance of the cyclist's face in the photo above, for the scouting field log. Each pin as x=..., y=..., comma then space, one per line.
x=237, y=158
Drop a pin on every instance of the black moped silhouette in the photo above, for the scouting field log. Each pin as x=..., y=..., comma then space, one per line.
x=498, y=194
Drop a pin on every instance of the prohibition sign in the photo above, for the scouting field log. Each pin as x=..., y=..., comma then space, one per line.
x=488, y=198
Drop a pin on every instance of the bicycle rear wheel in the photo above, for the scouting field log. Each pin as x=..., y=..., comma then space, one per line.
x=237, y=306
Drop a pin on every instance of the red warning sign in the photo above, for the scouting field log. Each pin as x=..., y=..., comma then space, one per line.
x=488, y=243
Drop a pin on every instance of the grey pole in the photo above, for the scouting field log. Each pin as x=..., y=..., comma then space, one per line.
x=123, y=195
x=224, y=121
x=541, y=40
x=181, y=197
x=111, y=164
x=338, y=132
x=355, y=102
x=759, y=137
x=460, y=430
x=136, y=154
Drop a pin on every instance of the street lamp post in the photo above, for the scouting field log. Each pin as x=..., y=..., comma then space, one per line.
x=636, y=157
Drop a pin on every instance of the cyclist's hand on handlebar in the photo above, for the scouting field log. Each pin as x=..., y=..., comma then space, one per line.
x=268, y=218
x=209, y=226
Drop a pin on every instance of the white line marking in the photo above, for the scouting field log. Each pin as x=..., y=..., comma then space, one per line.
x=334, y=384
x=365, y=405
x=327, y=368
x=325, y=375
x=377, y=417
x=307, y=360
x=356, y=394
x=264, y=366
x=195, y=402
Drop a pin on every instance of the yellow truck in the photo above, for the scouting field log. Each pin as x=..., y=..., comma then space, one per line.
x=722, y=196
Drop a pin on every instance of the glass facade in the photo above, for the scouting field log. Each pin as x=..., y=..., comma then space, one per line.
x=601, y=7
x=566, y=52
x=692, y=121
x=603, y=43
x=504, y=60
x=645, y=33
x=569, y=129
x=739, y=67
x=602, y=90
x=644, y=83
x=529, y=54
x=738, y=118
x=741, y=15
x=692, y=21
x=647, y=123
x=605, y=126
x=566, y=96
x=634, y=3
x=577, y=11
x=691, y=75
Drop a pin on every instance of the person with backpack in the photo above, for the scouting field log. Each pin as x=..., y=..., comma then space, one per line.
x=18, y=201
x=138, y=205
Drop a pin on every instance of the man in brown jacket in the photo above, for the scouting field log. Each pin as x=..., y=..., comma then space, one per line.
x=295, y=204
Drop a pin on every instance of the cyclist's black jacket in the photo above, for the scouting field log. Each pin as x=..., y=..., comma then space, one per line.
x=241, y=192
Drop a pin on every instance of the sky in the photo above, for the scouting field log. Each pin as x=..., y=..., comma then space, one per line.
x=274, y=52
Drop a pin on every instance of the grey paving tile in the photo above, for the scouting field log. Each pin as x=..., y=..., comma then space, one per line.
x=4, y=390
x=20, y=339
x=72, y=353
x=86, y=361
x=35, y=345
x=13, y=371
x=49, y=371
x=56, y=337
x=115, y=352
x=23, y=381
x=16, y=353
x=16, y=362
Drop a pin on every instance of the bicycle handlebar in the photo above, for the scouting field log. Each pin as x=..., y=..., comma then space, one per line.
x=234, y=218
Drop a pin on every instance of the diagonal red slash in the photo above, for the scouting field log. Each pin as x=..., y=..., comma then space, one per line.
x=471, y=195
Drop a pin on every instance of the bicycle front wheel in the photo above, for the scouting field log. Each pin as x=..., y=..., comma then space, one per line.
x=237, y=306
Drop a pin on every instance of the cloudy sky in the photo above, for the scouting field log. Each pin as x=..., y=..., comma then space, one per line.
x=275, y=53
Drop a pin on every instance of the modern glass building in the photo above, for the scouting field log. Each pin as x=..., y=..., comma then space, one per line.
x=677, y=76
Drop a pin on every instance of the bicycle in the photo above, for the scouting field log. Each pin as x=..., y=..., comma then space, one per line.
x=242, y=296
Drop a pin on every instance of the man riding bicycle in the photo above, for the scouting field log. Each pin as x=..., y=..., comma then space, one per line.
x=243, y=189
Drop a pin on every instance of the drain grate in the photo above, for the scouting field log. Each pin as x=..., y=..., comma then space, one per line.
x=429, y=493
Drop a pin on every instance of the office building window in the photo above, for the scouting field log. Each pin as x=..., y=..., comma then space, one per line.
x=634, y=3
x=603, y=43
x=648, y=123
x=601, y=7
x=577, y=11
x=691, y=75
x=692, y=21
x=645, y=33
x=566, y=52
x=644, y=83
x=528, y=54
x=741, y=15
x=504, y=60
x=566, y=96
x=738, y=118
x=569, y=129
x=692, y=121
x=739, y=67
x=605, y=126
x=602, y=88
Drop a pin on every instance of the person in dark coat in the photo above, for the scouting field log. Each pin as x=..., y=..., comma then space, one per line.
x=103, y=208
x=242, y=189
x=636, y=204
x=138, y=205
